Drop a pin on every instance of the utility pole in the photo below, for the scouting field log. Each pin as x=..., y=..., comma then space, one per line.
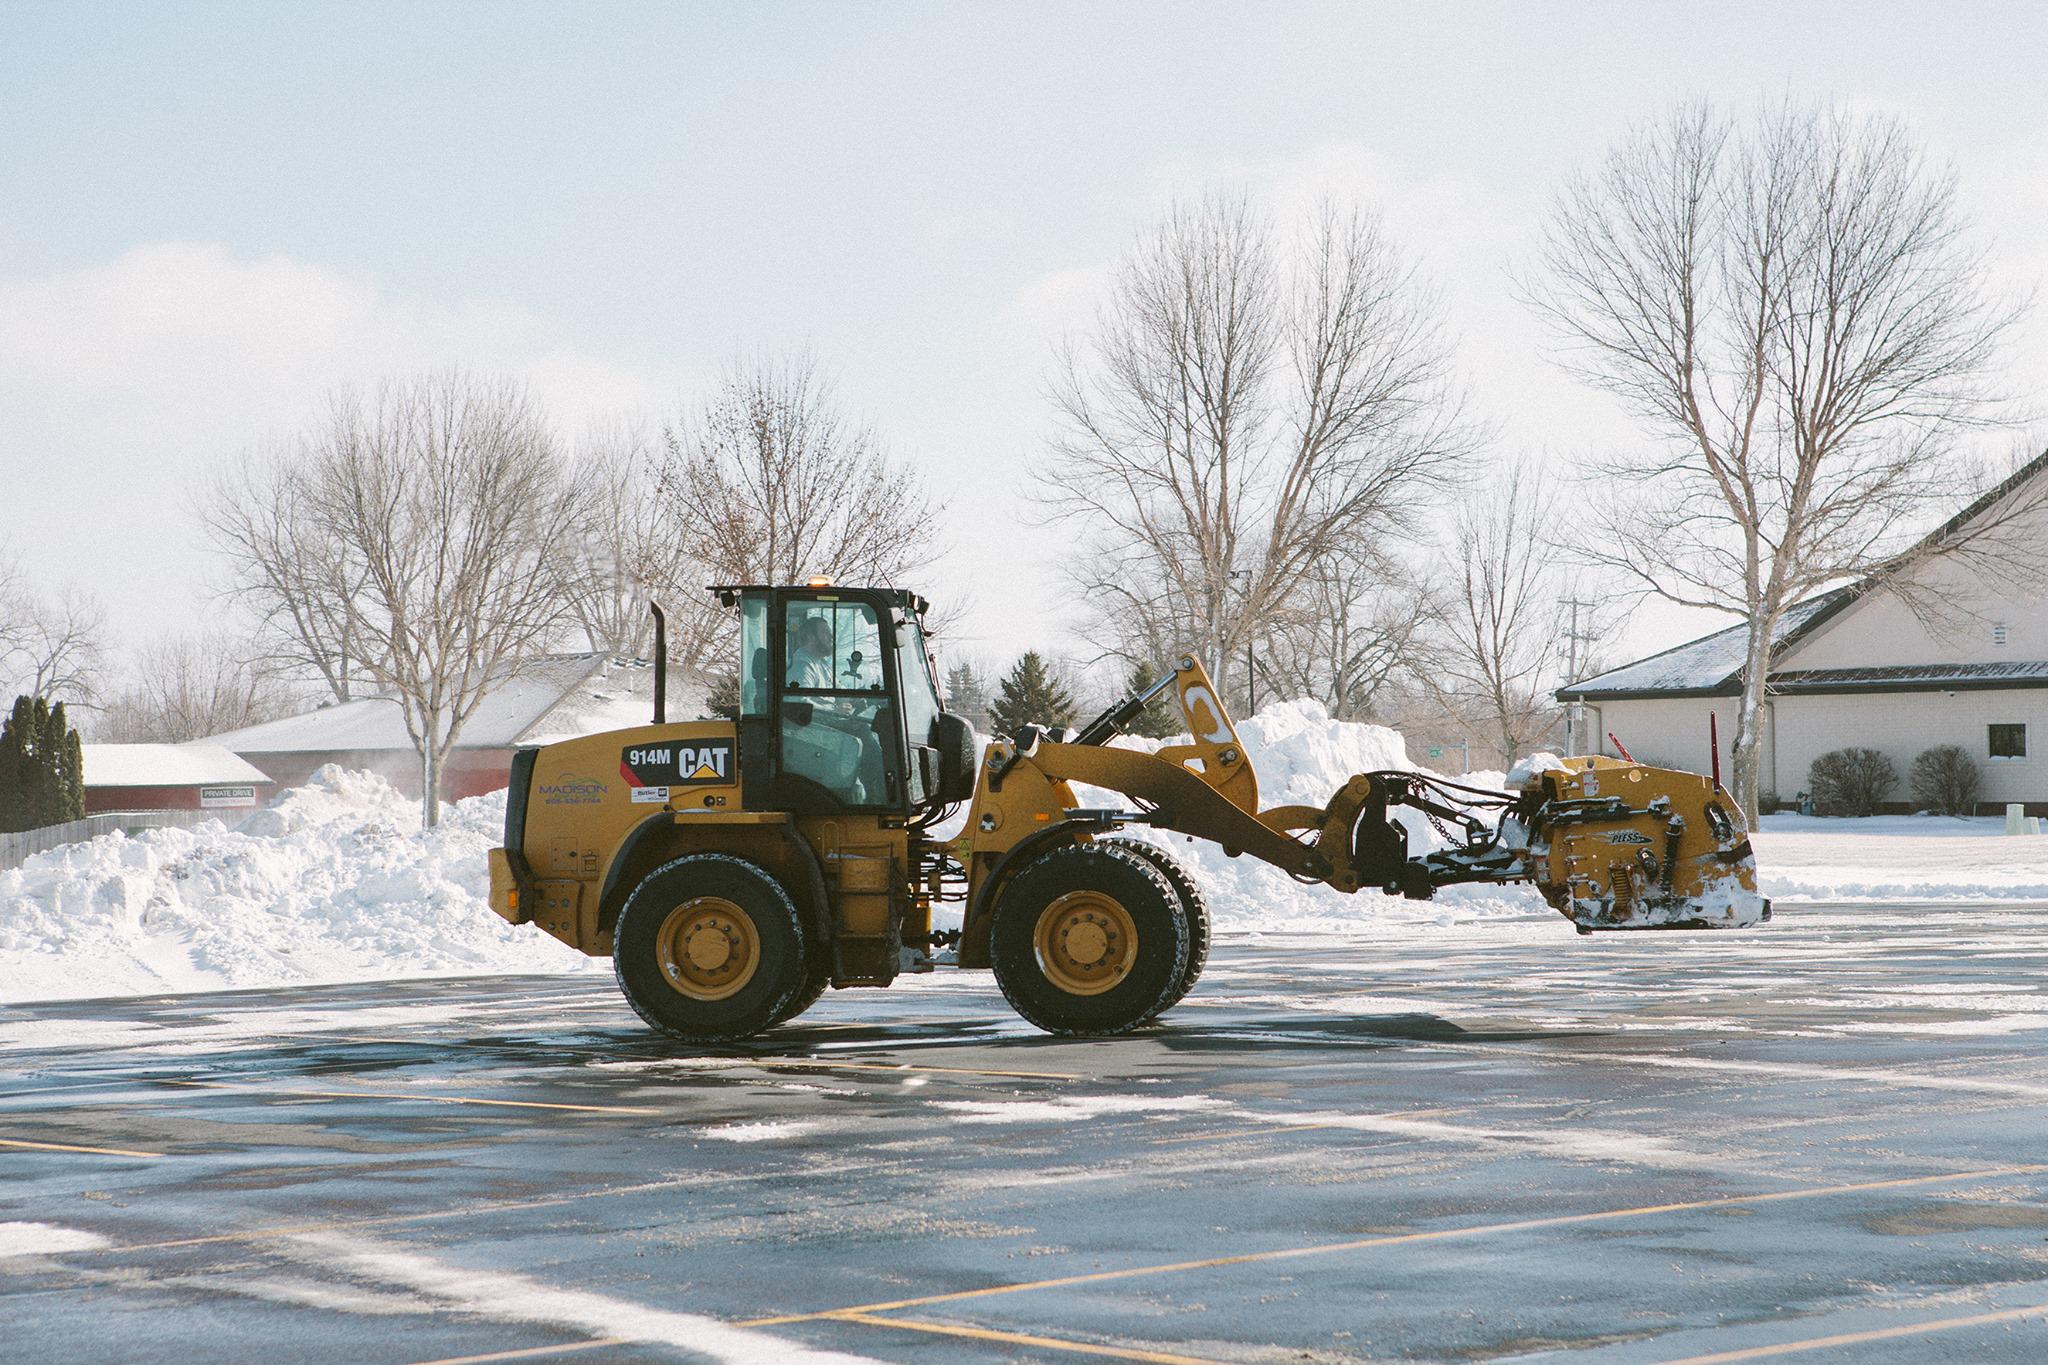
x=1574, y=660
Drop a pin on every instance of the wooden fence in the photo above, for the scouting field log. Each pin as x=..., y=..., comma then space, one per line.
x=16, y=849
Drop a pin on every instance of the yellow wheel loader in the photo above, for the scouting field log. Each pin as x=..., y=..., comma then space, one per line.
x=736, y=869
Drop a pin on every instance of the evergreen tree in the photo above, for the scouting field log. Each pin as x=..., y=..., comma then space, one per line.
x=39, y=776
x=42, y=767
x=723, y=697
x=1030, y=695
x=967, y=695
x=74, y=776
x=14, y=768
x=1161, y=718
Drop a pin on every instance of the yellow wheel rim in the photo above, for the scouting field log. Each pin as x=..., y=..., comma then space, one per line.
x=1086, y=942
x=707, y=948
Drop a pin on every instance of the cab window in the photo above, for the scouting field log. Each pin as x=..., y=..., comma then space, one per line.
x=755, y=681
x=837, y=725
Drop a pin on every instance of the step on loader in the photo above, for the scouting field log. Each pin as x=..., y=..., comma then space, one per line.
x=735, y=870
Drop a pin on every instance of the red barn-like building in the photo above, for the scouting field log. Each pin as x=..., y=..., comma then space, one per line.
x=201, y=776
x=553, y=699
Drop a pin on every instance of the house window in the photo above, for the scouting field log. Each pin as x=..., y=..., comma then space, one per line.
x=1998, y=635
x=2008, y=741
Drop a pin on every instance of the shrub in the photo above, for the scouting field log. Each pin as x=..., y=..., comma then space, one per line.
x=1945, y=780
x=1850, y=781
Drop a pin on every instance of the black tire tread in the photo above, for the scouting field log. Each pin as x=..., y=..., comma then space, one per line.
x=777, y=895
x=1144, y=867
x=1193, y=905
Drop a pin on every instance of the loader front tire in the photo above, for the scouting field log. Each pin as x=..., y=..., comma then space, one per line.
x=816, y=980
x=710, y=948
x=1193, y=908
x=1088, y=939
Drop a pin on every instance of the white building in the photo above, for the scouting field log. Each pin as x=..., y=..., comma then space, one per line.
x=1857, y=666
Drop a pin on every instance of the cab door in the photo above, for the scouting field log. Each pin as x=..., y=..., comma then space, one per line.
x=819, y=700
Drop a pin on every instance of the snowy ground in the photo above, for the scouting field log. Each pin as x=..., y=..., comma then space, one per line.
x=1899, y=858
x=336, y=882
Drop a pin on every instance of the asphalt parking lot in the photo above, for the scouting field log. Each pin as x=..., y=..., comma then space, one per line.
x=1825, y=1138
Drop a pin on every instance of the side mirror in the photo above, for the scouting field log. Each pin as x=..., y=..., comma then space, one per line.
x=959, y=757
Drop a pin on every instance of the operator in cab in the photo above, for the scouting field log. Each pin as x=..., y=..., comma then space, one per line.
x=810, y=663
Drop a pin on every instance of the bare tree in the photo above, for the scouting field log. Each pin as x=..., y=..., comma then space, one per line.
x=450, y=493
x=52, y=645
x=770, y=481
x=632, y=550
x=1247, y=408
x=1792, y=309
x=1360, y=625
x=13, y=589
x=1504, y=639
x=291, y=569
x=186, y=687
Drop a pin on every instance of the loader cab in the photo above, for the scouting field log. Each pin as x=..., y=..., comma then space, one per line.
x=839, y=708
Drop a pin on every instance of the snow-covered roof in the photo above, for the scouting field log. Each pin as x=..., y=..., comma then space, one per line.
x=550, y=699
x=1955, y=677
x=198, y=764
x=1709, y=665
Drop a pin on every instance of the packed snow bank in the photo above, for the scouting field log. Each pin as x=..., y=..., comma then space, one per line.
x=1898, y=858
x=335, y=882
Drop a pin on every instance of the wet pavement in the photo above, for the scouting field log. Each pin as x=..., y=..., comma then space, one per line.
x=1827, y=1137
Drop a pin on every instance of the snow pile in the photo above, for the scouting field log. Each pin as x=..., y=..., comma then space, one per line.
x=334, y=882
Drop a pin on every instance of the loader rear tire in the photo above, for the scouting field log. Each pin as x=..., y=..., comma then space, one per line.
x=1193, y=908
x=1088, y=939
x=709, y=948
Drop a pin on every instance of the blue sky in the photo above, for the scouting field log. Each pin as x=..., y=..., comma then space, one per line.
x=210, y=214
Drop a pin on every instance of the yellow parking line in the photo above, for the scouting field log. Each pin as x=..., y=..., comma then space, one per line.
x=1024, y=1339
x=424, y=1099
x=1403, y=1238
x=531, y=1352
x=69, y=1147
x=1911, y=1329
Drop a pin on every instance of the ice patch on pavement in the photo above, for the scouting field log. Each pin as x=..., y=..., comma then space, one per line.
x=44, y=1239
x=505, y=1296
x=1070, y=1108
x=758, y=1132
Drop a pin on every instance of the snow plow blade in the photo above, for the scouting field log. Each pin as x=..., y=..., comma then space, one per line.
x=1611, y=844
x=1619, y=845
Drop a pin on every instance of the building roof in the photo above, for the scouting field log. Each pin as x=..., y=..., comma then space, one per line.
x=1915, y=677
x=550, y=699
x=198, y=764
x=1712, y=665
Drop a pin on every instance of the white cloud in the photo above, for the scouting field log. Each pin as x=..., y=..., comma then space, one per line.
x=123, y=381
x=1058, y=302
x=198, y=338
